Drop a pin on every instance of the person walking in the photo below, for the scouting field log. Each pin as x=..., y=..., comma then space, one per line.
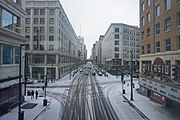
x=36, y=94
x=32, y=94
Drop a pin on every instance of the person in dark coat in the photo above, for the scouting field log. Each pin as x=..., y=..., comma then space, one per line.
x=36, y=94
x=32, y=94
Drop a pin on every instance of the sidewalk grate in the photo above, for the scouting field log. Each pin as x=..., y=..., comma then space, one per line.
x=29, y=105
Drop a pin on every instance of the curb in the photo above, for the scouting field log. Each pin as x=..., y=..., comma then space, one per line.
x=139, y=111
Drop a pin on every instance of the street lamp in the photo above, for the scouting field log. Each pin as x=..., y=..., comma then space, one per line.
x=131, y=70
x=20, y=114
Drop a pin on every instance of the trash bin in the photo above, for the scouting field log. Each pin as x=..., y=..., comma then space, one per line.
x=44, y=102
x=123, y=91
x=22, y=115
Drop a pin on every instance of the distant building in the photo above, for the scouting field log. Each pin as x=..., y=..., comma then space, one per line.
x=12, y=15
x=54, y=45
x=83, y=55
x=117, y=44
x=160, y=51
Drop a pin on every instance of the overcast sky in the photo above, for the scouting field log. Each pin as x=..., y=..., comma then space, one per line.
x=91, y=18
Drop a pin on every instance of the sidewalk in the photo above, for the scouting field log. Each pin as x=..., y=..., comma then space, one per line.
x=39, y=112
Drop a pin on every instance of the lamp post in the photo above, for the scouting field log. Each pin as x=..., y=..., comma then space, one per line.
x=131, y=70
x=20, y=114
x=45, y=100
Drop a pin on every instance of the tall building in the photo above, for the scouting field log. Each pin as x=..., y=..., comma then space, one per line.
x=118, y=43
x=54, y=45
x=160, y=51
x=82, y=49
x=12, y=15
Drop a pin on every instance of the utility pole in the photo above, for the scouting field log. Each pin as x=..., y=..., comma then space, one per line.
x=131, y=69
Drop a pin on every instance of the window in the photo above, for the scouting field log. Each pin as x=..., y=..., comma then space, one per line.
x=167, y=24
x=116, y=55
x=178, y=42
x=16, y=55
x=148, y=17
x=7, y=54
x=35, y=38
x=178, y=19
x=42, y=30
x=36, y=11
x=148, y=48
x=157, y=28
x=42, y=20
x=142, y=35
x=51, y=12
x=148, y=2
x=27, y=20
x=36, y=20
x=42, y=38
x=167, y=5
x=38, y=58
x=142, y=6
x=116, y=42
x=157, y=11
x=27, y=29
x=157, y=44
x=116, y=29
x=148, y=33
x=125, y=30
x=41, y=47
x=168, y=45
x=142, y=21
x=51, y=20
x=28, y=11
x=51, y=29
x=51, y=38
x=142, y=48
x=36, y=30
x=42, y=11
x=116, y=36
x=116, y=48
x=51, y=59
x=51, y=47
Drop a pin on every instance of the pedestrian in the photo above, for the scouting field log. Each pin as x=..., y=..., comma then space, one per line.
x=32, y=94
x=36, y=94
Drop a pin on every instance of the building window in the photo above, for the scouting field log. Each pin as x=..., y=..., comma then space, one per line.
x=51, y=20
x=168, y=45
x=116, y=55
x=28, y=11
x=142, y=6
x=178, y=19
x=51, y=47
x=36, y=30
x=157, y=11
x=42, y=29
x=51, y=59
x=116, y=36
x=142, y=21
x=16, y=55
x=35, y=38
x=51, y=12
x=38, y=58
x=42, y=38
x=36, y=20
x=142, y=35
x=116, y=48
x=116, y=29
x=167, y=24
x=116, y=42
x=167, y=5
x=51, y=38
x=51, y=29
x=41, y=47
x=157, y=46
x=36, y=11
x=148, y=2
x=42, y=11
x=148, y=33
x=157, y=28
x=7, y=54
x=148, y=49
x=148, y=17
x=27, y=29
x=42, y=20
x=142, y=48
x=178, y=42
x=27, y=20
